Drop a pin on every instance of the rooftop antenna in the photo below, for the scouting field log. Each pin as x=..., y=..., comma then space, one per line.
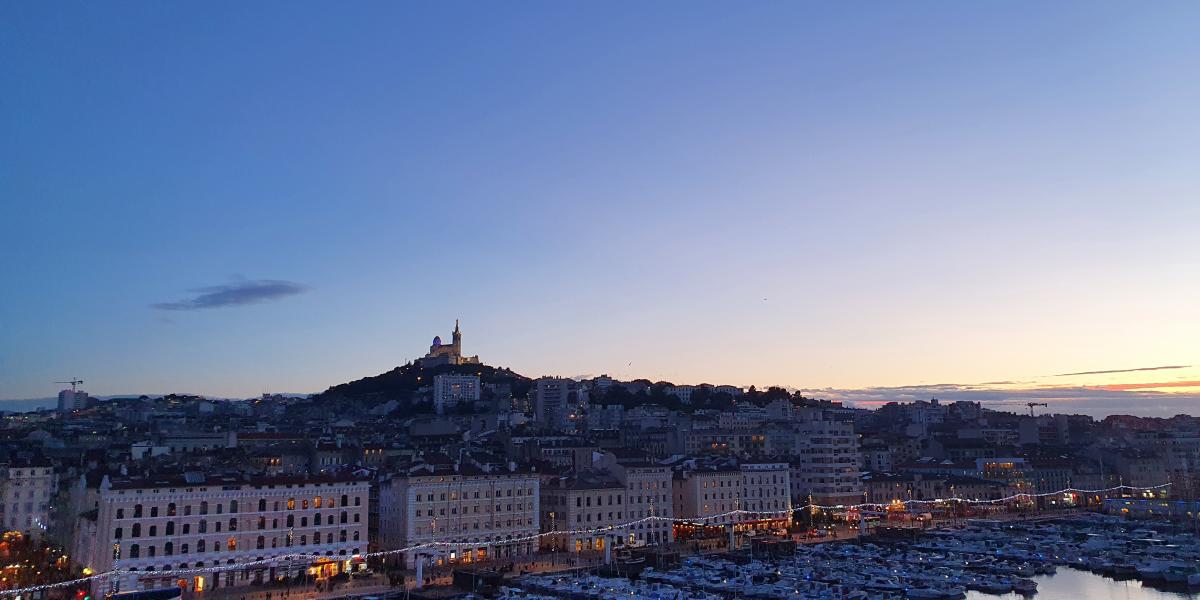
x=73, y=382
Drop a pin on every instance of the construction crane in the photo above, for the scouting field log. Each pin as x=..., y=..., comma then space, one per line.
x=1033, y=404
x=73, y=382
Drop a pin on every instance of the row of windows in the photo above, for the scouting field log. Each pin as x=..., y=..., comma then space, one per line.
x=231, y=544
x=465, y=527
x=317, y=502
x=441, y=512
x=201, y=564
x=466, y=495
x=202, y=526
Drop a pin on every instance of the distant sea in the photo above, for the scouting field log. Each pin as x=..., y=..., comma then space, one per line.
x=32, y=404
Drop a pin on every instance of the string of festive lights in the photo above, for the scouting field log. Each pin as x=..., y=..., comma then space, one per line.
x=435, y=546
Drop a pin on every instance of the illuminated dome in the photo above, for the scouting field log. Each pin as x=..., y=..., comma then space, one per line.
x=437, y=340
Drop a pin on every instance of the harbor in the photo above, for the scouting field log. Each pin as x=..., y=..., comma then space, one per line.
x=978, y=559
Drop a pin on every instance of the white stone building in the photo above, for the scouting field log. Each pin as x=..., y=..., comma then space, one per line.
x=26, y=492
x=826, y=460
x=707, y=492
x=583, y=501
x=142, y=527
x=492, y=510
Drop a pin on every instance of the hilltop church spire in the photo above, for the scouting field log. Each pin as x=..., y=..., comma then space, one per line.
x=451, y=353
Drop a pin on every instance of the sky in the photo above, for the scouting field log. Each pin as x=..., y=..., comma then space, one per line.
x=869, y=201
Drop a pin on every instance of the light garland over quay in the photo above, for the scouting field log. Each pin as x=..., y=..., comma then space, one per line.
x=286, y=558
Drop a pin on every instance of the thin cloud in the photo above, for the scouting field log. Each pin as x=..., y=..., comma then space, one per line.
x=1095, y=401
x=1148, y=386
x=1123, y=370
x=238, y=293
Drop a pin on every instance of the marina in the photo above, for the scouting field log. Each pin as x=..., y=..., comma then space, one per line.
x=1106, y=556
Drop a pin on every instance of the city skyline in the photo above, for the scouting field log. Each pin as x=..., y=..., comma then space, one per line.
x=1141, y=391
x=900, y=203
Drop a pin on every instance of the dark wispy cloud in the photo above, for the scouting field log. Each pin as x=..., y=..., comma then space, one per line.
x=1123, y=370
x=237, y=293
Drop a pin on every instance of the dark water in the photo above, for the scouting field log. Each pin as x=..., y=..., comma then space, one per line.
x=1069, y=584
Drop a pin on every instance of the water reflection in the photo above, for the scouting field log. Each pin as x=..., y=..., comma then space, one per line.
x=1069, y=584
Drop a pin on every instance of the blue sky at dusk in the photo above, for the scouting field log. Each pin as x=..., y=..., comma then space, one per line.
x=861, y=199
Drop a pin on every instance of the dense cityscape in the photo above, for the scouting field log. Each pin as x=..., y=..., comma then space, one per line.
x=769, y=300
x=448, y=465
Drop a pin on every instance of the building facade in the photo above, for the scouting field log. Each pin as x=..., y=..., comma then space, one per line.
x=826, y=460
x=144, y=527
x=26, y=492
x=493, y=512
x=451, y=390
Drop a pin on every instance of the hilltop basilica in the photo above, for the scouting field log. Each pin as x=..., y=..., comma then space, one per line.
x=448, y=354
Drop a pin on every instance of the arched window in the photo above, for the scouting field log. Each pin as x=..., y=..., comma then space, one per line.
x=291, y=520
x=137, y=530
x=342, y=536
x=118, y=534
x=345, y=499
x=134, y=551
x=233, y=507
x=233, y=524
x=171, y=509
x=291, y=504
x=304, y=503
x=203, y=528
x=356, y=536
x=260, y=542
x=200, y=546
x=329, y=538
x=137, y=511
x=170, y=527
x=150, y=551
x=120, y=513
x=262, y=523
x=153, y=511
x=169, y=548
x=262, y=505
x=204, y=507
x=231, y=544
x=317, y=502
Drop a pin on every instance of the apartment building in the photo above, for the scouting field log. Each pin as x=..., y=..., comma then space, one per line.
x=144, y=526
x=825, y=465
x=495, y=511
x=707, y=491
x=450, y=390
x=578, y=509
x=26, y=491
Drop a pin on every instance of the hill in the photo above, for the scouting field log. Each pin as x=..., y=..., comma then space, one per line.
x=402, y=383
